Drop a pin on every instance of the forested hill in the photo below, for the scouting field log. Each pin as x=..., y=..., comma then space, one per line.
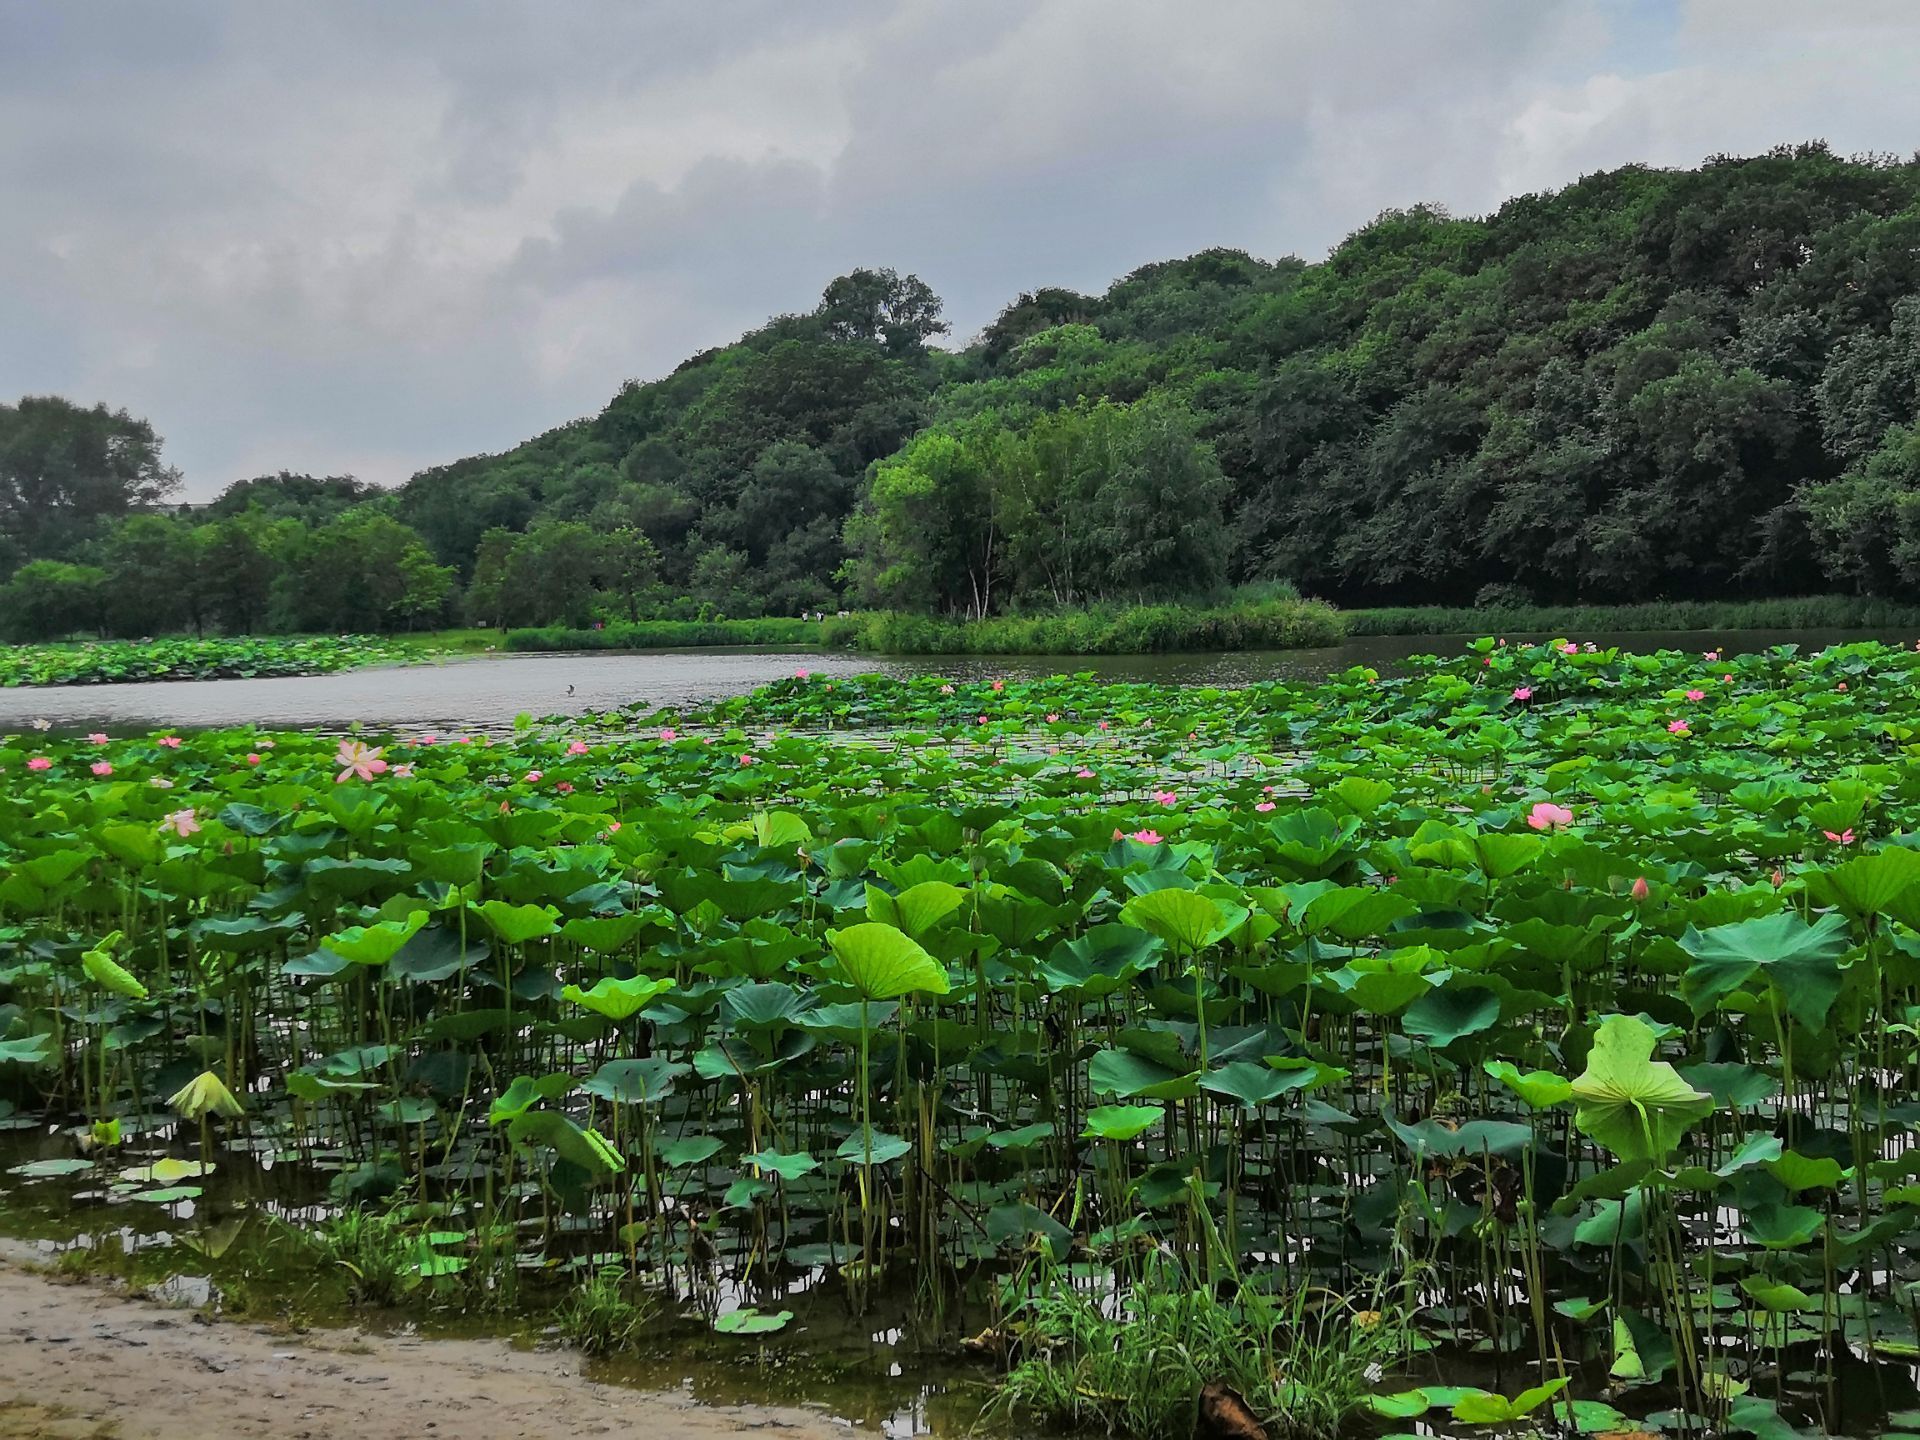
x=1695, y=383
x=1691, y=384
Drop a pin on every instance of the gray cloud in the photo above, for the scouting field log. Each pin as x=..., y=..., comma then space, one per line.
x=370, y=237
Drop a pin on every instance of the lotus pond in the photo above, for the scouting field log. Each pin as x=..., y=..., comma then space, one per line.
x=1545, y=1016
x=110, y=662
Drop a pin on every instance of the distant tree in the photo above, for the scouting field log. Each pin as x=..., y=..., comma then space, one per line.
x=51, y=600
x=1866, y=522
x=882, y=307
x=154, y=582
x=66, y=469
x=236, y=568
x=311, y=499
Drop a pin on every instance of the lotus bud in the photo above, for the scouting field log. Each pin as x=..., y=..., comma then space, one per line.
x=1641, y=889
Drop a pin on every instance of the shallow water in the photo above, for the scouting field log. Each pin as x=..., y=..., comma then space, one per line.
x=487, y=691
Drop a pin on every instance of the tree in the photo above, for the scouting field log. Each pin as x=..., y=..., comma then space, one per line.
x=65, y=469
x=236, y=569
x=1866, y=522
x=629, y=567
x=50, y=600
x=153, y=577
x=361, y=571
x=900, y=312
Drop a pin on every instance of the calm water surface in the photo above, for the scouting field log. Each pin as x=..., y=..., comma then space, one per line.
x=488, y=691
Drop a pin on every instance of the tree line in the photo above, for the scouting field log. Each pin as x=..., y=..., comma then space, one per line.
x=1699, y=383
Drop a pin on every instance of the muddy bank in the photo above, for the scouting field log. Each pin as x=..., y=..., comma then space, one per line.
x=82, y=1362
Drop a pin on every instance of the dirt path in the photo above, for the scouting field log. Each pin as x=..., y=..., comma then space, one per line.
x=80, y=1362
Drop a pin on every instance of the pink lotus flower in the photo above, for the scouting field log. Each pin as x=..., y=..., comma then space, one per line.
x=428, y=739
x=1696, y=694
x=578, y=747
x=1523, y=692
x=801, y=674
x=1569, y=648
x=565, y=787
x=160, y=782
x=181, y=822
x=1146, y=837
x=1548, y=816
x=1105, y=726
x=98, y=739
x=1166, y=798
x=669, y=735
x=403, y=772
x=979, y=719
x=1710, y=655
x=1779, y=877
x=1264, y=806
x=254, y=758
x=1726, y=679
x=172, y=742
x=1641, y=889
x=101, y=767
x=534, y=776
x=946, y=689
x=1841, y=687
x=613, y=827
x=1845, y=837
x=746, y=759
x=998, y=686
x=355, y=758
x=1053, y=717
x=1678, y=727
x=1083, y=773
x=39, y=762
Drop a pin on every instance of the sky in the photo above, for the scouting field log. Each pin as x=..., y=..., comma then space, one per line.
x=364, y=238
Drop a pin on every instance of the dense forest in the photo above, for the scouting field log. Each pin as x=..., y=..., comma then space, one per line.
x=1690, y=384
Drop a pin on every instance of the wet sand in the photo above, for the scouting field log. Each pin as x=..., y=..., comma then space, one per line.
x=88, y=1362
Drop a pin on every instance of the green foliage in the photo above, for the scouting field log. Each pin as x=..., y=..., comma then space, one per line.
x=606, y=1313
x=117, y=662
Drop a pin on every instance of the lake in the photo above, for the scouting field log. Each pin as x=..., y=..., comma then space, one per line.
x=487, y=691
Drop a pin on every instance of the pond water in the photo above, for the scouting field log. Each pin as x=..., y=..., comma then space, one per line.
x=487, y=691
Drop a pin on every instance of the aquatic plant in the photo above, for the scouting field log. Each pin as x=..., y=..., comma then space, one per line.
x=1607, y=1034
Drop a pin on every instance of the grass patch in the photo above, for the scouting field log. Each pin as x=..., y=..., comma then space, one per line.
x=686, y=634
x=606, y=1313
x=1166, y=1360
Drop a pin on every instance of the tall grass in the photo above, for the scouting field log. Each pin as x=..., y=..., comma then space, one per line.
x=1151, y=1361
x=1274, y=624
x=1812, y=612
x=688, y=634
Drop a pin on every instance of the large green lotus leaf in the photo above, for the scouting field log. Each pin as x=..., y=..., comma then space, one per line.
x=883, y=963
x=525, y=1092
x=588, y=1149
x=871, y=1147
x=108, y=973
x=1540, y=1089
x=918, y=908
x=27, y=1050
x=1254, y=1084
x=619, y=999
x=1187, y=921
x=1311, y=843
x=1869, y=884
x=1731, y=1084
x=1354, y=912
x=788, y=1166
x=1120, y=1122
x=1801, y=960
x=1100, y=961
x=1634, y=1105
x=780, y=830
x=1445, y=1015
x=605, y=933
x=764, y=1006
x=636, y=1082
x=1501, y=855
x=688, y=1150
x=1385, y=984
x=436, y=954
x=1123, y=1073
x=375, y=944
x=517, y=924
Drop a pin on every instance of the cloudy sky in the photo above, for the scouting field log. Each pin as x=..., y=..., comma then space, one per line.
x=366, y=237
